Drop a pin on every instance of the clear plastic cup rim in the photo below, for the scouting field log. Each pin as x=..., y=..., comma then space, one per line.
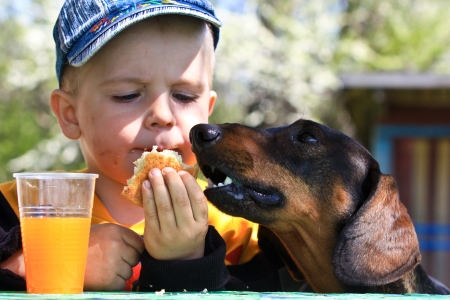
x=55, y=175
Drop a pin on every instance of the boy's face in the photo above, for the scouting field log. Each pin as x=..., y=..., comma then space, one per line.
x=147, y=86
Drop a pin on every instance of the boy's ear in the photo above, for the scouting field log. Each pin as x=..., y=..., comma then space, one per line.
x=212, y=101
x=62, y=104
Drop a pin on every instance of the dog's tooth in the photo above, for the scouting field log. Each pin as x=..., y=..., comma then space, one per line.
x=228, y=181
x=210, y=183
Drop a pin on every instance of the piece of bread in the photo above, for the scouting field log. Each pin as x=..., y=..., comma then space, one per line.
x=150, y=160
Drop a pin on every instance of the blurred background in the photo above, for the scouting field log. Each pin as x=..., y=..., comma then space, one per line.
x=378, y=70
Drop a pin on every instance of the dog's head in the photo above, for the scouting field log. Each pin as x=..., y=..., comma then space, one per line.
x=257, y=174
x=311, y=175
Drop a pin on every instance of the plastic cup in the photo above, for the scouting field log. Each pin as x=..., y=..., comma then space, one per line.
x=55, y=217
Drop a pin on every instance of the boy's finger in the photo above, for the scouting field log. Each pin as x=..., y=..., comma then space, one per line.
x=149, y=205
x=197, y=198
x=123, y=272
x=163, y=201
x=131, y=256
x=133, y=240
x=180, y=199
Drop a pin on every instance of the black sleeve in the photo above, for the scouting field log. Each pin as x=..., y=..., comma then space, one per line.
x=10, y=241
x=208, y=272
x=271, y=270
x=8, y=218
x=259, y=274
x=262, y=272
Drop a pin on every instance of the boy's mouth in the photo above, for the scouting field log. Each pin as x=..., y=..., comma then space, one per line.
x=159, y=149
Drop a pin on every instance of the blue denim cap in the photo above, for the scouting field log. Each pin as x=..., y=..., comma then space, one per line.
x=84, y=26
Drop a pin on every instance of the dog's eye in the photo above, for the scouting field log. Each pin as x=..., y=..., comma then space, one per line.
x=307, y=137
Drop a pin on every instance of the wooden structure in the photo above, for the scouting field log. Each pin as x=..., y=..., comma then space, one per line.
x=404, y=120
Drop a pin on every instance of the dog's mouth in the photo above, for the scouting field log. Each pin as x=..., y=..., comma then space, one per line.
x=226, y=181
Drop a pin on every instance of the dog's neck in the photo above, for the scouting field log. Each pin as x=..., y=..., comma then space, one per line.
x=311, y=248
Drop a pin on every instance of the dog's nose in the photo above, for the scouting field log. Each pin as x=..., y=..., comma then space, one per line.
x=202, y=135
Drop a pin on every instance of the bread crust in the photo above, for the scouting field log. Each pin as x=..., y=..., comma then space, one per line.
x=150, y=160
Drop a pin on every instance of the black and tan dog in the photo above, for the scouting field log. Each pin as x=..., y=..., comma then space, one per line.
x=325, y=198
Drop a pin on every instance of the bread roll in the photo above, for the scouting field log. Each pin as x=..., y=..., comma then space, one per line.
x=148, y=161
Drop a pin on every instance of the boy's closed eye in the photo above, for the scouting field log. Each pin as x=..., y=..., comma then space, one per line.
x=126, y=98
x=184, y=98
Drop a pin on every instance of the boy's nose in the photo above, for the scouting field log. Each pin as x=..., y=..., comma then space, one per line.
x=160, y=114
x=203, y=135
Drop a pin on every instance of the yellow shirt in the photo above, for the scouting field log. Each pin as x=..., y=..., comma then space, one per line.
x=239, y=234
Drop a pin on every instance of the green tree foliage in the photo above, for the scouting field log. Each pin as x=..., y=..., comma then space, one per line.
x=29, y=137
x=384, y=35
x=273, y=61
x=280, y=60
x=406, y=36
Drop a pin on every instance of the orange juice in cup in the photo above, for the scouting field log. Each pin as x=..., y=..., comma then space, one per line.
x=68, y=238
x=55, y=216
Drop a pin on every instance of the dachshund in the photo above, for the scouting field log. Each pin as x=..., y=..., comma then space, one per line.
x=322, y=194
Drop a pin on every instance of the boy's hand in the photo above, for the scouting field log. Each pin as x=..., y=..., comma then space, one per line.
x=176, y=215
x=113, y=251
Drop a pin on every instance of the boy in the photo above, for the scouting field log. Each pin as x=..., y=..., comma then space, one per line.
x=134, y=74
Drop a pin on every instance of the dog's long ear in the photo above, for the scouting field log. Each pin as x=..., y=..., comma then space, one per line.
x=378, y=244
